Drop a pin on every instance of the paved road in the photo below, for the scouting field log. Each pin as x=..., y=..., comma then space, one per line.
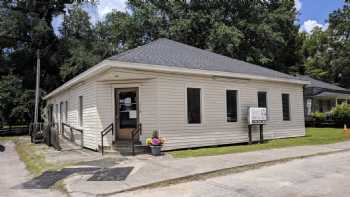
x=13, y=174
x=317, y=176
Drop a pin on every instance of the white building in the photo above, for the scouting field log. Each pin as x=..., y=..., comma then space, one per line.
x=192, y=96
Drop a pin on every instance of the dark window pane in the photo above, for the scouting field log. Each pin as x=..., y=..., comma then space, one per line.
x=231, y=104
x=50, y=113
x=320, y=103
x=285, y=106
x=56, y=117
x=66, y=112
x=262, y=100
x=61, y=112
x=127, y=107
x=80, y=111
x=194, y=105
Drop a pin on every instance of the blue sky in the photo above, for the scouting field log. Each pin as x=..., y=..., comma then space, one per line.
x=315, y=12
x=312, y=13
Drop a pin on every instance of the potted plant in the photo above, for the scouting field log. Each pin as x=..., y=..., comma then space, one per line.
x=155, y=143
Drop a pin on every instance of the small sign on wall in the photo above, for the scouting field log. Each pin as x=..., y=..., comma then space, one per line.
x=257, y=115
x=132, y=114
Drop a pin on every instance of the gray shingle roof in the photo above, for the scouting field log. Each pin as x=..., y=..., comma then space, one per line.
x=170, y=53
x=320, y=84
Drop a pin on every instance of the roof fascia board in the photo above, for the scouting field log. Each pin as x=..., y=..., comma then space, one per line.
x=107, y=64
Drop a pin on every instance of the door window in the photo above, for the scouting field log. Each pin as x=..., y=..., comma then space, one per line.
x=127, y=110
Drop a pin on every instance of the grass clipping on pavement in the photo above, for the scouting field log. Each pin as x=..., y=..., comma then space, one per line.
x=314, y=136
x=33, y=158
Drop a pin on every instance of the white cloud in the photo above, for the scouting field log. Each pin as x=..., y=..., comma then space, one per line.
x=309, y=25
x=96, y=13
x=298, y=4
x=106, y=6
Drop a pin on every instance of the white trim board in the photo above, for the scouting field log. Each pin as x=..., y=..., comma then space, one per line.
x=108, y=64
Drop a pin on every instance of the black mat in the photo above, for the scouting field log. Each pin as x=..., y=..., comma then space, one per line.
x=49, y=178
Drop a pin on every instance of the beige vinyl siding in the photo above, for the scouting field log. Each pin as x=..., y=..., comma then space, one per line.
x=88, y=91
x=214, y=129
x=162, y=100
x=105, y=112
x=147, y=106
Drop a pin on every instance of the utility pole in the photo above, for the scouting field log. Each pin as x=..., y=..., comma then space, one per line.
x=37, y=88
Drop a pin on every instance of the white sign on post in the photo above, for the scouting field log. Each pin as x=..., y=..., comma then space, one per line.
x=257, y=115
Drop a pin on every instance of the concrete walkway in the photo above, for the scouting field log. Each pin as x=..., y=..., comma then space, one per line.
x=13, y=174
x=145, y=172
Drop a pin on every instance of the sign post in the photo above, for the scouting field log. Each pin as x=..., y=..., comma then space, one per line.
x=256, y=116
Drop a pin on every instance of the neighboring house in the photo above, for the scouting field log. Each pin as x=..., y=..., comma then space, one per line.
x=193, y=97
x=320, y=96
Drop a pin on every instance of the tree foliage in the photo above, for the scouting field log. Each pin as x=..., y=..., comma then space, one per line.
x=327, y=53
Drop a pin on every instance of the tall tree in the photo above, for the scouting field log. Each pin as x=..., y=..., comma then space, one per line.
x=339, y=52
x=327, y=53
x=82, y=47
x=261, y=32
x=25, y=26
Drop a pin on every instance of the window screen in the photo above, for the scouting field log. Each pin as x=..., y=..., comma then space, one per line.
x=231, y=105
x=285, y=107
x=194, y=105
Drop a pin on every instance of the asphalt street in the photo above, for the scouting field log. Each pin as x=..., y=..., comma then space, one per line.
x=319, y=176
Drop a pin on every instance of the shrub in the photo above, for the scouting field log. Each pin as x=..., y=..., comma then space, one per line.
x=320, y=116
x=341, y=113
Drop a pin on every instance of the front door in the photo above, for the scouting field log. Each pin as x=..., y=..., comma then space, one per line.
x=127, y=112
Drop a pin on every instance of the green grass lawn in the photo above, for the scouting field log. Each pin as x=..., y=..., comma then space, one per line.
x=314, y=136
x=33, y=155
x=7, y=138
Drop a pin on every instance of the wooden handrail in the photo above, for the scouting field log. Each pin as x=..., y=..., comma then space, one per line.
x=105, y=131
x=134, y=133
